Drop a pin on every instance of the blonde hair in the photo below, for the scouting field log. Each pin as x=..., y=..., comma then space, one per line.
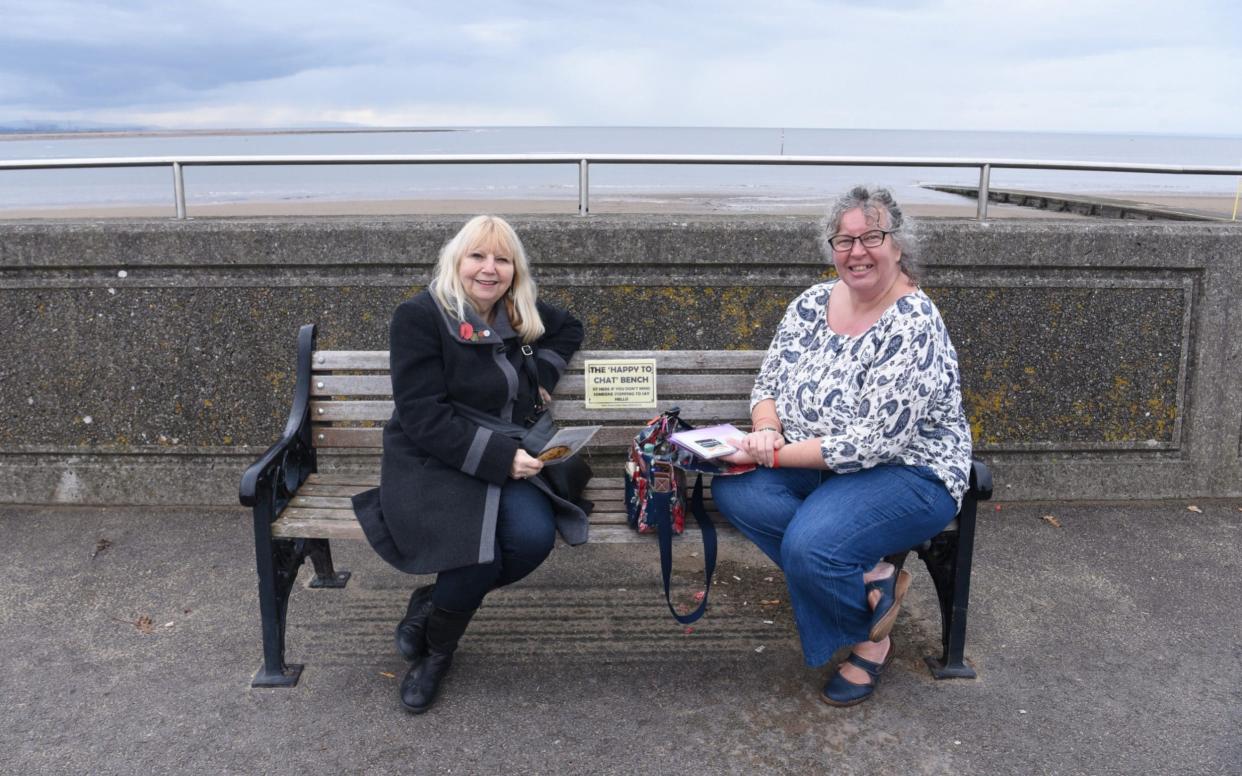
x=493, y=235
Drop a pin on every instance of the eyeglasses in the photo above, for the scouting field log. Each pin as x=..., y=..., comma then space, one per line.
x=872, y=239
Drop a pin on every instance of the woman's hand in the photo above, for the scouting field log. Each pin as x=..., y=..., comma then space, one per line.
x=760, y=445
x=739, y=456
x=524, y=465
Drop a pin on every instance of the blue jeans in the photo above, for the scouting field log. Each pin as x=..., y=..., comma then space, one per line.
x=525, y=533
x=826, y=530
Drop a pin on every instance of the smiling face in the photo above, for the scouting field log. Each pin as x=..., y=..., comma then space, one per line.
x=486, y=274
x=869, y=272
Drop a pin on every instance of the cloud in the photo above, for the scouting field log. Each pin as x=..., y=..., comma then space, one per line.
x=959, y=64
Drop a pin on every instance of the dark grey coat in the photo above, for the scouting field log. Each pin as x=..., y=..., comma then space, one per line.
x=442, y=473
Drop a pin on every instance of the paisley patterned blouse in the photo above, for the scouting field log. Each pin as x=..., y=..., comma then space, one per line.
x=891, y=395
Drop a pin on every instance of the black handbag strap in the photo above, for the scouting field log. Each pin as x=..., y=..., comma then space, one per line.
x=532, y=372
x=665, y=526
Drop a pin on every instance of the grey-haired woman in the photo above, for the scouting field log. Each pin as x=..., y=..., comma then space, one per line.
x=863, y=445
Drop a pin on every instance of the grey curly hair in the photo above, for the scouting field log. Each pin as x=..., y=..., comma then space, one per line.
x=872, y=200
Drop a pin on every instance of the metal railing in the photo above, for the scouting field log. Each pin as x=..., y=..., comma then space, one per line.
x=584, y=162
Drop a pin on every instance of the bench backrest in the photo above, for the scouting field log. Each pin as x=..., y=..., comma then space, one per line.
x=351, y=394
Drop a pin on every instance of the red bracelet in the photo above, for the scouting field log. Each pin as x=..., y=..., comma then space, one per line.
x=776, y=464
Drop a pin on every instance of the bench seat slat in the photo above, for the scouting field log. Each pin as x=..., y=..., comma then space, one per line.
x=364, y=481
x=607, y=503
x=318, y=485
x=340, y=524
x=611, y=438
x=320, y=523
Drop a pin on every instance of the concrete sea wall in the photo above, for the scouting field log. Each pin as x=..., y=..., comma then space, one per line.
x=150, y=361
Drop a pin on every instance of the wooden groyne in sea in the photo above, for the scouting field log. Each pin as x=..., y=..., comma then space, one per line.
x=1081, y=204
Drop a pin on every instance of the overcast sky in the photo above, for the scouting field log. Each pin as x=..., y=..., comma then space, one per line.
x=1055, y=65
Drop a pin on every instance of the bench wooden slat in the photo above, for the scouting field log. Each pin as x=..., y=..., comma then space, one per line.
x=604, y=504
x=609, y=527
x=364, y=480
x=333, y=491
x=610, y=438
x=703, y=411
x=328, y=436
x=377, y=360
x=593, y=492
x=723, y=384
x=679, y=359
x=348, y=484
x=351, y=385
x=321, y=523
x=571, y=385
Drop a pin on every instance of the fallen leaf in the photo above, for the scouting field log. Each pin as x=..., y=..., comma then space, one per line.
x=144, y=624
x=390, y=676
x=699, y=595
x=1195, y=509
x=101, y=546
x=773, y=602
x=1051, y=520
x=688, y=630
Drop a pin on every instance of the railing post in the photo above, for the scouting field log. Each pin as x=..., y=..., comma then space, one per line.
x=985, y=177
x=179, y=190
x=584, y=188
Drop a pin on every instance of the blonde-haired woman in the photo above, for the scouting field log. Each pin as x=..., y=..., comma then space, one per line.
x=472, y=357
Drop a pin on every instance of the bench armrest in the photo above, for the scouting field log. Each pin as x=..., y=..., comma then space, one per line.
x=286, y=464
x=980, y=479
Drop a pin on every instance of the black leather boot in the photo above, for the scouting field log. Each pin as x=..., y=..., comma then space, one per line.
x=422, y=681
x=411, y=631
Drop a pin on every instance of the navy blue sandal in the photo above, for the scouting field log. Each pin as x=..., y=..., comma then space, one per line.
x=892, y=590
x=840, y=691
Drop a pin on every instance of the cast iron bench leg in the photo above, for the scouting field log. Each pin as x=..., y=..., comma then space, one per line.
x=948, y=562
x=277, y=561
x=321, y=556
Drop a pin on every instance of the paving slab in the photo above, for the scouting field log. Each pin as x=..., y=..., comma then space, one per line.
x=1105, y=643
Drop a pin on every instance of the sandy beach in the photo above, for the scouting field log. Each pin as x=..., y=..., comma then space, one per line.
x=705, y=204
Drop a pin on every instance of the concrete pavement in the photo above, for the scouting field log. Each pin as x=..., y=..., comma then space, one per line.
x=1109, y=644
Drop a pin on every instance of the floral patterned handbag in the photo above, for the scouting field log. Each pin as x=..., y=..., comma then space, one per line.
x=655, y=496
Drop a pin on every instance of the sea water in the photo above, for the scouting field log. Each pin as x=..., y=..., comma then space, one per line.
x=740, y=186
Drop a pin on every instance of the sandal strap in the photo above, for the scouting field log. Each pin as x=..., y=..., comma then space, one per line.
x=871, y=668
x=885, y=585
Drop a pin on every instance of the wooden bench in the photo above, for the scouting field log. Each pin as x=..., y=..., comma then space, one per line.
x=342, y=399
